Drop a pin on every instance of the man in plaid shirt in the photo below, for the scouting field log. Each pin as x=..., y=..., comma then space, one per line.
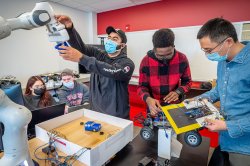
x=164, y=73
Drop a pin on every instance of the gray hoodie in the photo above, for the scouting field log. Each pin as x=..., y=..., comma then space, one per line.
x=109, y=78
x=74, y=97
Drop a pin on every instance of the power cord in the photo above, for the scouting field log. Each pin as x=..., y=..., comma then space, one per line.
x=55, y=159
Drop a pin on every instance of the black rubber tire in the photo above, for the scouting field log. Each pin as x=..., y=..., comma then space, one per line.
x=193, y=138
x=147, y=133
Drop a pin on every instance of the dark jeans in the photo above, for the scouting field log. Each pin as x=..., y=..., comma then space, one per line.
x=220, y=158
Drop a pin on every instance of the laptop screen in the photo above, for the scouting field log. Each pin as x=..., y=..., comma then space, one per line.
x=44, y=114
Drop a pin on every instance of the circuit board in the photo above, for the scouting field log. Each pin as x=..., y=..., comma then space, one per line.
x=203, y=110
x=198, y=112
x=188, y=116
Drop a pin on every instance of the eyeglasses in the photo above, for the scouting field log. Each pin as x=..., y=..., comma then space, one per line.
x=209, y=51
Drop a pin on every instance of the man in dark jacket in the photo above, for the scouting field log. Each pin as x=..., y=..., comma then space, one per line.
x=110, y=70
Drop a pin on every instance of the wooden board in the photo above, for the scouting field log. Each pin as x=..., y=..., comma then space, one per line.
x=75, y=133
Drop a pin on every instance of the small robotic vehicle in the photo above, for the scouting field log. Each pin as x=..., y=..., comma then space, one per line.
x=92, y=126
x=160, y=121
x=192, y=138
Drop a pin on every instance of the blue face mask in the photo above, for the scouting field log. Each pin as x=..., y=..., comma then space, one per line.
x=111, y=47
x=69, y=84
x=216, y=57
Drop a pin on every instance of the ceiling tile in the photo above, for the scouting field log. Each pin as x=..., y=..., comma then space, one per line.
x=114, y=7
x=86, y=2
x=86, y=8
x=55, y=0
x=69, y=3
x=108, y=4
x=101, y=5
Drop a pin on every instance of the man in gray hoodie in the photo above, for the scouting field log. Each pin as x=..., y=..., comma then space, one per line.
x=72, y=92
x=110, y=70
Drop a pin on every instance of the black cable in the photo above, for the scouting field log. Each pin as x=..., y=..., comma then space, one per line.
x=77, y=157
x=45, y=159
x=36, y=151
x=51, y=137
x=139, y=118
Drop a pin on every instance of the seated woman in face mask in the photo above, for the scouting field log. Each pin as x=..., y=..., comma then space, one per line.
x=36, y=96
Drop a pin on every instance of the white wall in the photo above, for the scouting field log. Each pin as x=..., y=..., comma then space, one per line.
x=185, y=41
x=26, y=53
x=93, y=28
x=140, y=42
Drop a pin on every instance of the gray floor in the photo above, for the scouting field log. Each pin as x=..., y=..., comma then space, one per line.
x=137, y=131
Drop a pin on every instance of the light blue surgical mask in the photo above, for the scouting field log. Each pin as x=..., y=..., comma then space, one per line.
x=215, y=56
x=69, y=84
x=111, y=46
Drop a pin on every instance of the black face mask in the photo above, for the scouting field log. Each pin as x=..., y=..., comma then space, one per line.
x=39, y=91
x=165, y=61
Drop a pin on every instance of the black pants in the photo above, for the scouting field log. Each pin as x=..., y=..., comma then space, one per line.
x=219, y=158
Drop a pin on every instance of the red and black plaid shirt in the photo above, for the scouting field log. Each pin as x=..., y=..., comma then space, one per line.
x=158, y=78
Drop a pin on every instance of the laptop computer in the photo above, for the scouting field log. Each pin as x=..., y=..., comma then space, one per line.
x=75, y=108
x=44, y=114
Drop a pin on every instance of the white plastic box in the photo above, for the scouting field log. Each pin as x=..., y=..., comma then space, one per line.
x=168, y=145
x=101, y=153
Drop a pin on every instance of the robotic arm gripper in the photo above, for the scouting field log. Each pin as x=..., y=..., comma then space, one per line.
x=41, y=15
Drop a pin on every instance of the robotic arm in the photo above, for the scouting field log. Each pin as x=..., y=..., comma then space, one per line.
x=15, y=117
x=41, y=15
